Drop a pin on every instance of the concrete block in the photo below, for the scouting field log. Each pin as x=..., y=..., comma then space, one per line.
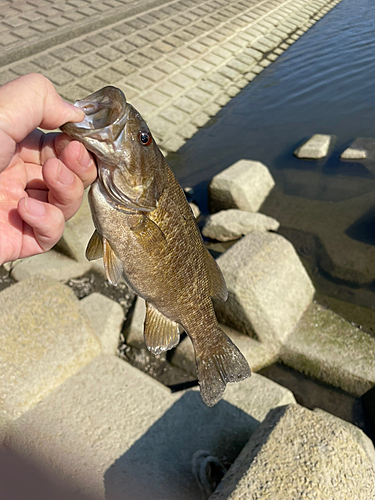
x=106, y=317
x=297, y=453
x=315, y=148
x=258, y=355
x=45, y=339
x=77, y=233
x=231, y=224
x=360, y=149
x=268, y=287
x=112, y=432
x=134, y=334
x=325, y=346
x=244, y=185
x=52, y=264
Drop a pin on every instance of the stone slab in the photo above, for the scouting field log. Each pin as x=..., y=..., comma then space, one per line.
x=77, y=233
x=52, y=264
x=297, y=453
x=315, y=148
x=361, y=148
x=327, y=347
x=110, y=431
x=231, y=224
x=244, y=185
x=45, y=338
x=257, y=354
x=106, y=317
x=268, y=287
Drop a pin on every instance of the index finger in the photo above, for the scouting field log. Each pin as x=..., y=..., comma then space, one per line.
x=32, y=101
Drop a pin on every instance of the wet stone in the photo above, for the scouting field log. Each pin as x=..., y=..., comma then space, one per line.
x=360, y=149
x=315, y=148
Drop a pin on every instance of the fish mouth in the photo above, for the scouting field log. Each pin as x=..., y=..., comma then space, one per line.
x=105, y=116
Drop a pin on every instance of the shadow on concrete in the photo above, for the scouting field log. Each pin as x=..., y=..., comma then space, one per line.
x=158, y=465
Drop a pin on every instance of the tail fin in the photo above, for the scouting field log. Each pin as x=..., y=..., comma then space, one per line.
x=218, y=363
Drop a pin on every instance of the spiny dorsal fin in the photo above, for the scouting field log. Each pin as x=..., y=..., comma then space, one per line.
x=160, y=332
x=218, y=288
x=113, y=266
x=94, y=248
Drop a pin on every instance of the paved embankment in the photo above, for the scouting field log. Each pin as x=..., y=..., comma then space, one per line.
x=178, y=62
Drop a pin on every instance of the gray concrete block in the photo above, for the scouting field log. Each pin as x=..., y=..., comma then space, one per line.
x=52, y=264
x=134, y=334
x=77, y=233
x=268, y=287
x=315, y=148
x=257, y=354
x=45, y=339
x=327, y=347
x=360, y=149
x=231, y=224
x=106, y=317
x=112, y=432
x=297, y=453
x=244, y=185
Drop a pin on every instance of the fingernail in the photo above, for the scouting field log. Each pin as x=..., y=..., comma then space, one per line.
x=64, y=175
x=34, y=207
x=84, y=158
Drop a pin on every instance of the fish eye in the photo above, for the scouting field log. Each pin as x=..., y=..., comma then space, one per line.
x=145, y=138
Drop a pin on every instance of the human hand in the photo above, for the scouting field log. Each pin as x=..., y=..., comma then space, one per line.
x=42, y=176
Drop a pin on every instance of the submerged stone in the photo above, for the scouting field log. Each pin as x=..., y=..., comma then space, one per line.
x=315, y=148
x=360, y=149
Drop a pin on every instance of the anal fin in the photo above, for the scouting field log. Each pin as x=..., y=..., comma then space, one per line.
x=218, y=288
x=160, y=333
x=94, y=248
x=112, y=264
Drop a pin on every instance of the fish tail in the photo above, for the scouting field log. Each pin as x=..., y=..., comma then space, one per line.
x=218, y=363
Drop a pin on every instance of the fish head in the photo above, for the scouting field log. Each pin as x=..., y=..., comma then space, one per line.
x=130, y=164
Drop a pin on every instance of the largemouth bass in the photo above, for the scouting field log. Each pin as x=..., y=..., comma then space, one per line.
x=147, y=236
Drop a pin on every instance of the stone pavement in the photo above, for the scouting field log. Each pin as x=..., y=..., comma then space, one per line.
x=177, y=61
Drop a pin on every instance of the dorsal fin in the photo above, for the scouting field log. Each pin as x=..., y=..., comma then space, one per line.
x=160, y=333
x=218, y=288
x=113, y=266
x=94, y=248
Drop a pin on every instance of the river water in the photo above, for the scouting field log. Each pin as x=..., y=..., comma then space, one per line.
x=324, y=83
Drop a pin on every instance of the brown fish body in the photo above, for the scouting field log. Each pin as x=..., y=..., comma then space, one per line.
x=148, y=237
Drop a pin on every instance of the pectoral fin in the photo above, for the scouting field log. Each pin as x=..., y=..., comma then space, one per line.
x=94, y=248
x=218, y=288
x=160, y=333
x=148, y=232
x=113, y=266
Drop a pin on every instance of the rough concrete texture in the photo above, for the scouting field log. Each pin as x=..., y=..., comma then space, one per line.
x=297, y=453
x=315, y=148
x=134, y=333
x=327, y=347
x=178, y=62
x=113, y=432
x=268, y=287
x=77, y=233
x=258, y=355
x=360, y=149
x=52, y=264
x=45, y=339
x=106, y=317
x=231, y=224
x=244, y=185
